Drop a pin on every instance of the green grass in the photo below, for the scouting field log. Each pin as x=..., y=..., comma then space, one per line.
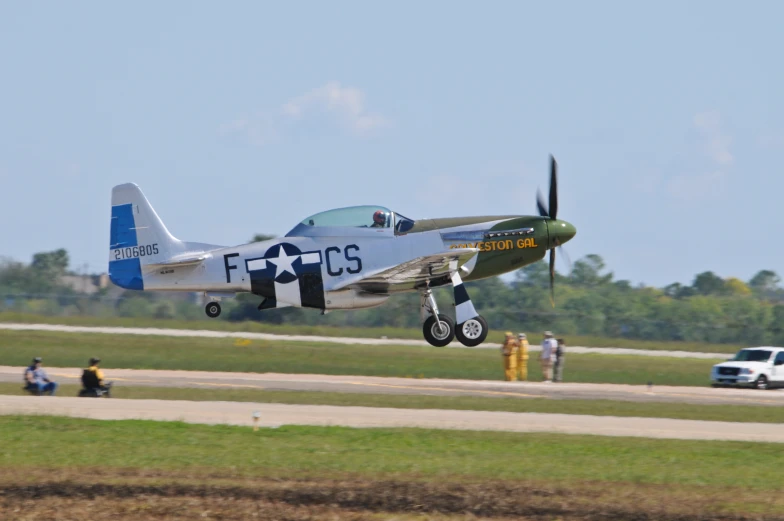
x=51, y=442
x=728, y=413
x=216, y=354
x=354, y=332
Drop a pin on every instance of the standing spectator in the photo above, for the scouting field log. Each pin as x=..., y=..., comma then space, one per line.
x=509, y=356
x=560, y=353
x=522, y=357
x=36, y=379
x=549, y=345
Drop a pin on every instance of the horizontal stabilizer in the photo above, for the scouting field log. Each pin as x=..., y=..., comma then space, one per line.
x=190, y=260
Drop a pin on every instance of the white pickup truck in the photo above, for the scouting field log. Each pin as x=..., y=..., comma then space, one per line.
x=758, y=367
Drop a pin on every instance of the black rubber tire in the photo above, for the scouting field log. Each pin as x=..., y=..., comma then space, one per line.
x=430, y=330
x=213, y=309
x=472, y=332
x=761, y=383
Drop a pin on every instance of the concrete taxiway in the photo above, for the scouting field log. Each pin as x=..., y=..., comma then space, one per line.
x=275, y=415
x=412, y=386
x=333, y=340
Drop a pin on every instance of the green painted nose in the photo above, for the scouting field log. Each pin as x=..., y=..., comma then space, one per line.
x=560, y=232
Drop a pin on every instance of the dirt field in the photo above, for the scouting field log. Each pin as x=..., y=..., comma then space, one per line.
x=139, y=495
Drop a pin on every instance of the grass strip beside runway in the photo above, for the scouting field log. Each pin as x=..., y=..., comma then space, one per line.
x=226, y=354
x=158, y=470
x=422, y=454
x=727, y=413
x=353, y=332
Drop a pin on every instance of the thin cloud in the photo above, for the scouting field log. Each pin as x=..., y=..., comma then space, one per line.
x=717, y=142
x=711, y=178
x=646, y=181
x=259, y=130
x=695, y=187
x=348, y=103
x=774, y=141
x=73, y=171
x=514, y=179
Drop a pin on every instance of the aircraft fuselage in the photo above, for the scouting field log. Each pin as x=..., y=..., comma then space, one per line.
x=325, y=264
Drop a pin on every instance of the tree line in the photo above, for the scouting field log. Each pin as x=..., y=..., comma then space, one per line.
x=589, y=301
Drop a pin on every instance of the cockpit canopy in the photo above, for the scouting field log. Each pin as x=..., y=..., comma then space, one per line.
x=353, y=217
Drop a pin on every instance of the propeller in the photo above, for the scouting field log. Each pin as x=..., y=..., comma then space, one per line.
x=551, y=211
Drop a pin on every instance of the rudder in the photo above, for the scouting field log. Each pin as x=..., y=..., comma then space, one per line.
x=138, y=237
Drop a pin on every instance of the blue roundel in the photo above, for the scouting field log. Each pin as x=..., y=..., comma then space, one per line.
x=287, y=262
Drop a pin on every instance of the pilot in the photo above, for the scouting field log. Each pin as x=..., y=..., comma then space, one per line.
x=379, y=219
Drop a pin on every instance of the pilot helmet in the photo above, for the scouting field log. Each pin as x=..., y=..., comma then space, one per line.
x=380, y=217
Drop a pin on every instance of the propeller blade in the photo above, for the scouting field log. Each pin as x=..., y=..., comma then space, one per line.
x=553, y=188
x=552, y=277
x=568, y=259
x=540, y=204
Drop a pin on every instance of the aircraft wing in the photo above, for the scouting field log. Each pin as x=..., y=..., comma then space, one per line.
x=420, y=269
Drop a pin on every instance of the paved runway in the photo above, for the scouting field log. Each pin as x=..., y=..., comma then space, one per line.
x=411, y=386
x=274, y=415
x=333, y=340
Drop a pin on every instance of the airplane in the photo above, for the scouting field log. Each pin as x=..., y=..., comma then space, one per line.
x=346, y=258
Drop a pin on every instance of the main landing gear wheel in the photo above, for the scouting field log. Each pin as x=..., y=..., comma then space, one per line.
x=472, y=332
x=439, y=336
x=213, y=309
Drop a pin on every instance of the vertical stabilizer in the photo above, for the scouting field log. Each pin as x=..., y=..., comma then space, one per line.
x=138, y=237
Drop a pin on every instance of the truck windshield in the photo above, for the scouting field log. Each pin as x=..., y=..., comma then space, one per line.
x=752, y=355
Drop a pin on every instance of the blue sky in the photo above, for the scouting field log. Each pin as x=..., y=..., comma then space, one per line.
x=667, y=121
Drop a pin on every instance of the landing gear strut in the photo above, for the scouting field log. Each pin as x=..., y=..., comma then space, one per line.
x=439, y=330
x=213, y=309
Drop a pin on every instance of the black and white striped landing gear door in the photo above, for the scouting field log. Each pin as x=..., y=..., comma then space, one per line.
x=471, y=329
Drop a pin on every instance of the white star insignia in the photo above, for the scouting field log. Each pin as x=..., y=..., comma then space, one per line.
x=283, y=263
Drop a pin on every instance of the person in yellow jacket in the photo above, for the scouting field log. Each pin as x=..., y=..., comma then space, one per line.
x=93, y=381
x=522, y=357
x=509, y=355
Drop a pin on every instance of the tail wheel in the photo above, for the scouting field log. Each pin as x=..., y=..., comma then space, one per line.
x=472, y=332
x=439, y=335
x=761, y=383
x=213, y=309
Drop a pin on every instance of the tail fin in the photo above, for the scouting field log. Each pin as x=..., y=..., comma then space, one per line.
x=138, y=237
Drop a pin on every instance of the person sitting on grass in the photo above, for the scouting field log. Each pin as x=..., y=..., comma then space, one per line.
x=37, y=381
x=93, y=381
